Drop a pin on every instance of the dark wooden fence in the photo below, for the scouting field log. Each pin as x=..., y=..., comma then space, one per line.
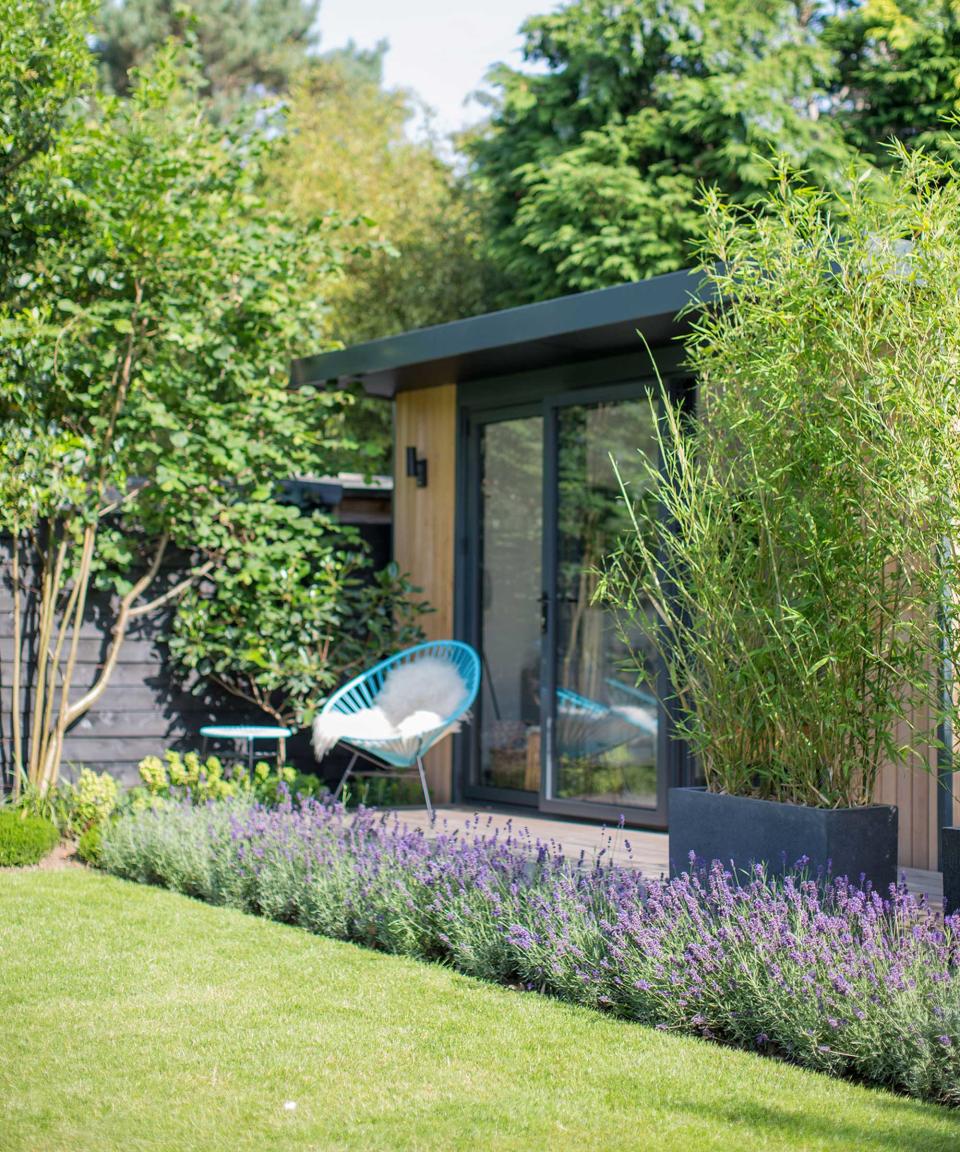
x=145, y=709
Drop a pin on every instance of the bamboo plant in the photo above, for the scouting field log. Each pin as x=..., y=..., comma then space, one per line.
x=798, y=576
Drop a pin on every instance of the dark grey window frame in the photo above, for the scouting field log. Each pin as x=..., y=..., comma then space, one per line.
x=544, y=392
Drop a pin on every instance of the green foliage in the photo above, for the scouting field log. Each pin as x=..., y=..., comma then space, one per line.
x=248, y=47
x=72, y=808
x=165, y=287
x=594, y=160
x=182, y=776
x=150, y=301
x=43, y=63
x=795, y=586
x=896, y=74
x=417, y=230
x=417, y=262
x=90, y=845
x=88, y=802
x=24, y=839
x=46, y=805
x=293, y=614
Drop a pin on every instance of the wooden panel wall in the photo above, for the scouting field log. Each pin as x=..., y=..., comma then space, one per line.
x=143, y=710
x=423, y=526
x=914, y=791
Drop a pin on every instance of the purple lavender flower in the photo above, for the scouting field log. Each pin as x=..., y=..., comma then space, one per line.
x=779, y=966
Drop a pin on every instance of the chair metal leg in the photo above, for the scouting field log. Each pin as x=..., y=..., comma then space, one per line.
x=343, y=778
x=423, y=784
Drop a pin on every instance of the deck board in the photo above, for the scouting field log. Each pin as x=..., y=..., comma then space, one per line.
x=631, y=847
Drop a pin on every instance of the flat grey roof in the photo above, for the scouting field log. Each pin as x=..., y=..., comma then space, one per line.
x=581, y=327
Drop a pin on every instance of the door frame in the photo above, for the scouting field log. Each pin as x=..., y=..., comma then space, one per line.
x=647, y=816
x=468, y=607
x=542, y=392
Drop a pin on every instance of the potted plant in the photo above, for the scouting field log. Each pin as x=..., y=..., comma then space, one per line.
x=793, y=581
x=950, y=862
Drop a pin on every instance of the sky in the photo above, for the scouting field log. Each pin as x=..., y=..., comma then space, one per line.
x=439, y=48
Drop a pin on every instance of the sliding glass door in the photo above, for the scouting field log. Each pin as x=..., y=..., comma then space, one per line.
x=508, y=528
x=601, y=752
x=560, y=722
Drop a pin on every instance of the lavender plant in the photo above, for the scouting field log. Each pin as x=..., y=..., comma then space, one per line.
x=821, y=973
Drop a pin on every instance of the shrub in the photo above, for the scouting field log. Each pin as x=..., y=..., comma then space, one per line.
x=826, y=975
x=73, y=808
x=90, y=845
x=185, y=776
x=88, y=802
x=292, y=620
x=49, y=805
x=25, y=839
x=791, y=571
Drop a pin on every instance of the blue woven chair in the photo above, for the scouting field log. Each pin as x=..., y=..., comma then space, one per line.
x=398, y=755
x=585, y=727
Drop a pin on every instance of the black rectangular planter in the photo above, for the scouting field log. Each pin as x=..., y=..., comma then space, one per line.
x=950, y=862
x=744, y=831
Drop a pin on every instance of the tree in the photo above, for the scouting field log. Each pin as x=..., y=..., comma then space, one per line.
x=897, y=67
x=593, y=164
x=297, y=615
x=408, y=228
x=44, y=64
x=150, y=302
x=247, y=46
x=346, y=151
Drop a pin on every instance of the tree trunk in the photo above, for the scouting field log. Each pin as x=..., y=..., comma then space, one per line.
x=16, y=719
x=49, y=591
x=71, y=623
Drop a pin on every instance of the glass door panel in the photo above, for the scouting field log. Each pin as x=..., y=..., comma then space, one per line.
x=510, y=589
x=605, y=730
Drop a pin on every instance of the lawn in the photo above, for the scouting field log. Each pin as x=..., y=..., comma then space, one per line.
x=137, y=1019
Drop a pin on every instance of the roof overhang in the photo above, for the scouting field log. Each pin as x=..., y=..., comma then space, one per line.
x=587, y=326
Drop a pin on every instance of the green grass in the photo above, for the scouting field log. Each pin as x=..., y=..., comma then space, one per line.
x=137, y=1019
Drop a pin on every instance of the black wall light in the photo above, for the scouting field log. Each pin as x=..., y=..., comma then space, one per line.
x=417, y=466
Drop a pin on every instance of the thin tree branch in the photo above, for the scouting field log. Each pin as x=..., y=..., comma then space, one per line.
x=172, y=593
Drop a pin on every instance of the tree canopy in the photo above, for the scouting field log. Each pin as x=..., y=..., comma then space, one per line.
x=595, y=159
x=413, y=230
x=897, y=74
x=347, y=150
x=150, y=302
x=405, y=222
x=246, y=46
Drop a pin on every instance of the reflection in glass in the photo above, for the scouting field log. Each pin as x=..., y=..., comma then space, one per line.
x=605, y=743
x=510, y=569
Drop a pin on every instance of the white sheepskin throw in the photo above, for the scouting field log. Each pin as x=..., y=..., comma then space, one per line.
x=415, y=699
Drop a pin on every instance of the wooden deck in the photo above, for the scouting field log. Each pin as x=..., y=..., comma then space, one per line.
x=633, y=848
